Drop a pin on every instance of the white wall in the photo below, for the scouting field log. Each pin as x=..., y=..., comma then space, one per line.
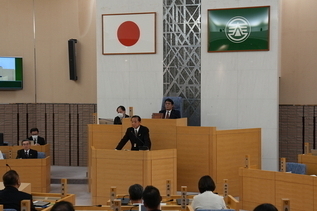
x=130, y=80
x=240, y=89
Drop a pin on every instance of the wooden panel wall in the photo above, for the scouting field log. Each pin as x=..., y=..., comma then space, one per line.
x=258, y=186
x=64, y=126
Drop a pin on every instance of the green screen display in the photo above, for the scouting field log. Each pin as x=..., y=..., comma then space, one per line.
x=11, y=73
x=238, y=29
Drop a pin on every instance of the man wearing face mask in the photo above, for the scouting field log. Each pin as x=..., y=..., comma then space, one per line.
x=38, y=140
x=121, y=114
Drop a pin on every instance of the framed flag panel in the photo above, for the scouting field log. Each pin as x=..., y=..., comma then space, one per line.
x=129, y=33
x=239, y=29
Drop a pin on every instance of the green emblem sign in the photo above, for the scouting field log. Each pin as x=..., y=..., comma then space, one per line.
x=239, y=29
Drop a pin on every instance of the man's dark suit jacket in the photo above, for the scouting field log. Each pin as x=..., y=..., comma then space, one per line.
x=141, y=140
x=21, y=154
x=175, y=114
x=40, y=140
x=11, y=198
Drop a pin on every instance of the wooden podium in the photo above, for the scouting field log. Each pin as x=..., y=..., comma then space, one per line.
x=124, y=168
x=34, y=171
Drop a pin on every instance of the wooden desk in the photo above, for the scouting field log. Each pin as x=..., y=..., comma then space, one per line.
x=310, y=161
x=200, y=150
x=259, y=186
x=25, y=187
x=34, y=171
x=124, y=168
x=52, y=198
x=11, y=151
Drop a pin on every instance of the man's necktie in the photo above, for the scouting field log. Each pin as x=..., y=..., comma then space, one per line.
x=167, y=115
x=26, y=154
x=135, y=132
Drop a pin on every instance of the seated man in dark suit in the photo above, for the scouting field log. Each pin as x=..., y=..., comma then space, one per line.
x=169, y=112
x=26, y=152
x=38, y=140
x=10, y=196
x=137, y=134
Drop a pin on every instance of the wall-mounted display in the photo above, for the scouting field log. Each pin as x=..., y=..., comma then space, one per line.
x=129, y=33
x=11, y=73
x=239, y=29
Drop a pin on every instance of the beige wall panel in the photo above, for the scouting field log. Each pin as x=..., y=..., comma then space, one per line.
x=56, y=23
x=44, y=48
x=298, y=52
x=16, y=39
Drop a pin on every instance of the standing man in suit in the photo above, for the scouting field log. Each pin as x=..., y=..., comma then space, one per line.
x=169, y=112
x=137, y=134
x=26, y=152
x=10, y=196
x=38, y=140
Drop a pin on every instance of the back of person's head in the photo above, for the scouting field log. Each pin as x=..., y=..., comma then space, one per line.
x=63, y=206
x=206, y=183
x=34, y=130
x=169, y=100
x=11, y=178
x=265, y=207
x=151, y=197
x=135, y=192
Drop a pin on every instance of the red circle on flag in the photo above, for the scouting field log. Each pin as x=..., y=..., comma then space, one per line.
x=128, y=33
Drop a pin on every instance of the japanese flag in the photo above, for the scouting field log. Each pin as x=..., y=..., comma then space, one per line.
x=128, y=33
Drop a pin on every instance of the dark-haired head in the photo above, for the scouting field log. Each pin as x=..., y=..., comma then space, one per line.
x=206, y=183
x=120, y=107
x=169, y=100
x=151, y=198
x=34, y=130
x=136, y=116
x=135, y=192
x=265, y=207
x=11, y=178
x=63, y=206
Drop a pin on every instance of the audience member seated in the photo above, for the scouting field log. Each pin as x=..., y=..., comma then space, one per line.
x=63, y=206
x=26, y=152
x=135, y=193
x=38, y=140
x=138, y=135
x=10, y=196
x=121, y=114
x=265, y=207
x=169, y=112
x=151, y=198
x=207, y=200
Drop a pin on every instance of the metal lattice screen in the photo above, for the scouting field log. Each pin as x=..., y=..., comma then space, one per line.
x=182, y=47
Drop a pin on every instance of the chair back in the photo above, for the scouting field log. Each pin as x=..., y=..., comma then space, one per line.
x=296, y=168
x=41, y=155
x=178, y=104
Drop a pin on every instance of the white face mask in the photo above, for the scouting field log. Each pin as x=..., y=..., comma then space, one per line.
x=34, y=136
x=120, y=115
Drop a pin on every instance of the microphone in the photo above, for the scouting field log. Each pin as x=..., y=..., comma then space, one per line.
x=8, y=166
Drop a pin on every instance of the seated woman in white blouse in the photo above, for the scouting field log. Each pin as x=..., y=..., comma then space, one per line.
x=207, y=199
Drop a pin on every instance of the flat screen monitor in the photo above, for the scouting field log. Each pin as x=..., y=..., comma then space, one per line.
x=11, y=73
